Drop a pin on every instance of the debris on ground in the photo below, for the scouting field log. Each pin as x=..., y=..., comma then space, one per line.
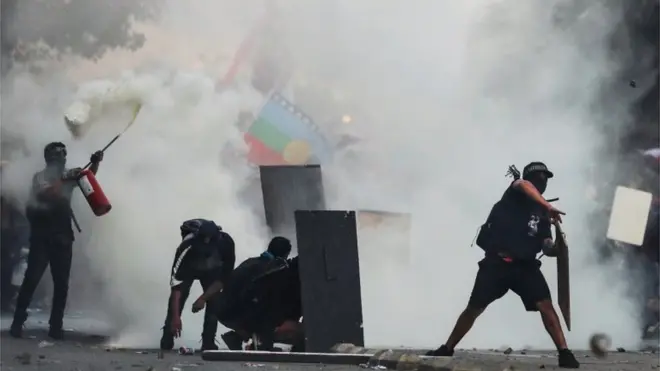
x=374, y=367
x=45, y=344
x=24, y=358
x=186, y=351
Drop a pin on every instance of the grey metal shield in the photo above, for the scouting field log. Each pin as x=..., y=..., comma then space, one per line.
x=287, y=189
x=330, y=278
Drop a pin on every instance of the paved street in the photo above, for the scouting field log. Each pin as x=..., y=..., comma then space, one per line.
x=82, y=351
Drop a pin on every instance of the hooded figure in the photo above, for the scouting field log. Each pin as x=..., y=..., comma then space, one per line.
x=207, y=254
x=254, y=303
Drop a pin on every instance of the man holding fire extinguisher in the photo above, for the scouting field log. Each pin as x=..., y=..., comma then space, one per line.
x=51, y=236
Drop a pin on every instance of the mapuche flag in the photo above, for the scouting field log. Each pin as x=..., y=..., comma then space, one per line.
x=284, y=135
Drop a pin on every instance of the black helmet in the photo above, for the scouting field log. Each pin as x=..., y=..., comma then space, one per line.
x=280, y=247
x=54, y=151
x=208, y=229
x=534, y=167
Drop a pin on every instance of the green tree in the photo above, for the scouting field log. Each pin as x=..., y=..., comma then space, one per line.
x=87, y=28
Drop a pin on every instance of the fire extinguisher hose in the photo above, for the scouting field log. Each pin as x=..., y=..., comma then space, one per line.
x=130, y=123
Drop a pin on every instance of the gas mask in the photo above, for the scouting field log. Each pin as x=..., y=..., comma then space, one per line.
x=55, y=155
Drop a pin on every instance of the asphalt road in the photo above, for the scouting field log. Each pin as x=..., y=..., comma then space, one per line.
x=82, y=352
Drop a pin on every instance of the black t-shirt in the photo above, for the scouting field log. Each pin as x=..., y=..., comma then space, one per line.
x=195, y=260
x=518, y=226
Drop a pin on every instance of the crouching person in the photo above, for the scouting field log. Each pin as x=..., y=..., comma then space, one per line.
x=257, y=298
x=206, y=254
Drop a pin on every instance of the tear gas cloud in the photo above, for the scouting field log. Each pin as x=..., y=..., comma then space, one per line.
x=448, y=95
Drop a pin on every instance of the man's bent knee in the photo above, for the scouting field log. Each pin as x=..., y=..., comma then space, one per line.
x=545, y=306
x=473, y=311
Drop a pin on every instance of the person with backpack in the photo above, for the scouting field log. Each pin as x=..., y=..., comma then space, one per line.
x=515, y=232
x=207, y=254
x=258, y=299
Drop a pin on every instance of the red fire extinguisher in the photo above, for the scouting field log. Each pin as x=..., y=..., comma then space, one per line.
x=93, y=193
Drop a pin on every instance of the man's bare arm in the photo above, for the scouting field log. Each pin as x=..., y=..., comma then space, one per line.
x=530, y=191
x=176, y=300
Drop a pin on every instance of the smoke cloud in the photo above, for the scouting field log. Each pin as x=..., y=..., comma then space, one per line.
x=445, y=96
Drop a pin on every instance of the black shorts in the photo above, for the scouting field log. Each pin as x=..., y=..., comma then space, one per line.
x=496, y=277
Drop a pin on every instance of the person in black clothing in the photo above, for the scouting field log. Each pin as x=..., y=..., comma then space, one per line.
x=517, y=229
x=14, y=237
x=254, y=302
x=281, y=312
x=206, y=254
x=51, y=237
x=287, y=312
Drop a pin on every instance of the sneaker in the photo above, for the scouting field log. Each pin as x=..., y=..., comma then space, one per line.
x=167, y=340
x=298, y=346
x=443, y=351
x=16, y=330
x=233, y=340
x=209, y=344
x=56, y=333
x=567, y=359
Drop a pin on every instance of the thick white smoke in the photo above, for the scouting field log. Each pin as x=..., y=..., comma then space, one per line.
x=449, y=94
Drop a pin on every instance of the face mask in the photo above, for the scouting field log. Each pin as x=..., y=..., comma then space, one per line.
x=540, y=184
x=57, y=158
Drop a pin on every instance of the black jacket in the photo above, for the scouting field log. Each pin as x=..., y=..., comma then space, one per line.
x=195, y=259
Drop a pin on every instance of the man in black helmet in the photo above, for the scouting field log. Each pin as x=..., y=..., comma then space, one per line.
x=51, y=237
x=206, y=254
x=250, y=304
x=516, y=231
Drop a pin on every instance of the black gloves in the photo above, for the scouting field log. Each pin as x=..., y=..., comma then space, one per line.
x=96, y=157
x=549, y=248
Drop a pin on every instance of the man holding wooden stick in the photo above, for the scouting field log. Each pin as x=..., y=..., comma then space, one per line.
x=516, y=231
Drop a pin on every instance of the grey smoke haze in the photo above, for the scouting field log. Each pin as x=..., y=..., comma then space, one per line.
x=449, y=94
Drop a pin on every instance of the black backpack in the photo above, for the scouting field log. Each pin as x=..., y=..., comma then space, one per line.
x=486, y=236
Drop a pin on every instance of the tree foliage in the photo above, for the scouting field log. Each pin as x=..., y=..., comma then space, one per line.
x=87, y=28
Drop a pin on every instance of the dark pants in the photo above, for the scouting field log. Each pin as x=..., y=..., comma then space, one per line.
x=496, y=277
x=259, y=318
x=210, y=321
x=57, y=251
x=8, y=260
x=252, y=318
